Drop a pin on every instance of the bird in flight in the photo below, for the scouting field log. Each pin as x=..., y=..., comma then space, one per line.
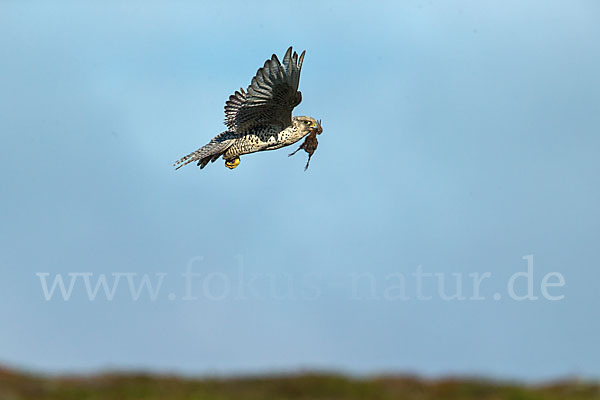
x=260, y=118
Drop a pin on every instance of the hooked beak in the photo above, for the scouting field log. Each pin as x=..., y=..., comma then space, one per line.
x=319, y=128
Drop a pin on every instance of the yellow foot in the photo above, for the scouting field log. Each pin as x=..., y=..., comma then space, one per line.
x=231, y=164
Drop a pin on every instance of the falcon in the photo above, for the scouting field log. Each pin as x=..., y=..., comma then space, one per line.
x=260, y=118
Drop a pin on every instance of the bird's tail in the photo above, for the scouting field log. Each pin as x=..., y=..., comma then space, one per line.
x=210, y=152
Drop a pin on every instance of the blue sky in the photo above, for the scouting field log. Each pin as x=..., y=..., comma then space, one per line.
x=459, y=136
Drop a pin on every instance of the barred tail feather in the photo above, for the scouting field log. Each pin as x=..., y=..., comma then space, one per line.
x=210, y=152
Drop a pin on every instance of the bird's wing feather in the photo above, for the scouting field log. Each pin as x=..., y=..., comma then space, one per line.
x=270, y=98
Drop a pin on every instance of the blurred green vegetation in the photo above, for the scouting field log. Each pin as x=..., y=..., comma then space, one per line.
x=17, y=386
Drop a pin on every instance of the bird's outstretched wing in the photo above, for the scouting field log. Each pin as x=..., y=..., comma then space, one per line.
x=270, y=98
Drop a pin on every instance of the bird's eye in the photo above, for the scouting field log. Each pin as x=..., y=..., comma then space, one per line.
x=307, y=122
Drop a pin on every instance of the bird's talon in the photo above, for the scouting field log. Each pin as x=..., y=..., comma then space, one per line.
x=231, y=164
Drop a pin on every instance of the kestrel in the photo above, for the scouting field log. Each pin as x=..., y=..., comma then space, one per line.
x=260, y=118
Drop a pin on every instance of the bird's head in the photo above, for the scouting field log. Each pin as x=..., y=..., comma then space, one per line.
x=307, y=125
